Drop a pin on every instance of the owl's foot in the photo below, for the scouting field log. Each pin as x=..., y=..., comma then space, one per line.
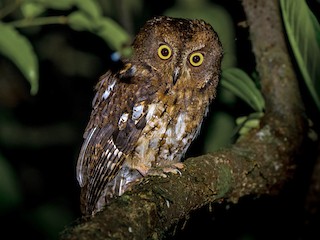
x=164, y=170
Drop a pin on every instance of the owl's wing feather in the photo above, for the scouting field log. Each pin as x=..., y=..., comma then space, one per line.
x=81, y=164
x=105, y=168
x=106, y=144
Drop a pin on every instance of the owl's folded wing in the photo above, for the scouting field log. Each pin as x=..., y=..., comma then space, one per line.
x=111, y=133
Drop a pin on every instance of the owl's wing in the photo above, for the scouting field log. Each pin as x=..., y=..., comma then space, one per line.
x=111, y=133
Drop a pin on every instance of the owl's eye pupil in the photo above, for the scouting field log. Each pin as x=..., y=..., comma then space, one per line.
x=165, y=52
x=196, y=59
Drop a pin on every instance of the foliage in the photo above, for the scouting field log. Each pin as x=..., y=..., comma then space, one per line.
x=239, y=83
x=87, y=17
x=17, y=47
x=303, y=31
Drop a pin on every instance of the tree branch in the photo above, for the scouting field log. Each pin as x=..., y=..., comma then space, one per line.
x=258, y=164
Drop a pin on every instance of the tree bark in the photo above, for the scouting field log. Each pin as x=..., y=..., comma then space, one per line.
x=260, y=163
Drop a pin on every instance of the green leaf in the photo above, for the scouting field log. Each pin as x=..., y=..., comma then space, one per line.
x=246, y=123
x=19, y=50
x=56, y=4
x=80, y=21
x=239, y=83
x=303, y=33
x=10, y=193
x=110, y=31
x=90, y=7
x=113, y=34
x=316, y=26
x=31, y=9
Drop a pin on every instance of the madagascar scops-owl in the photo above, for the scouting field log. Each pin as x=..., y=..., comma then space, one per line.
x=146, y=114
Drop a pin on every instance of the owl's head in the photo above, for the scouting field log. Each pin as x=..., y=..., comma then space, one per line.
x=183, y=51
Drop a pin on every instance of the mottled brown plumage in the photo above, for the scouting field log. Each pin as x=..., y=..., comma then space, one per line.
x=147, y=114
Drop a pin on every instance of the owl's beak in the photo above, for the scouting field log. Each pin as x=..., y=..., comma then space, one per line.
x=176, y=75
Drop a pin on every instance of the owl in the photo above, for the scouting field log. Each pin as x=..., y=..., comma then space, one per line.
x=146, y=114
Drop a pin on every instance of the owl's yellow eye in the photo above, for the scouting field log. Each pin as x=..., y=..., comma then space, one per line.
x=196, y=59
x=164, y=52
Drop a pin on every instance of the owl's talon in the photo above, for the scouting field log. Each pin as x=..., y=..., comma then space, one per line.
x=174, y=168
x=164, y=170
x=171, y=170
x=179, y=165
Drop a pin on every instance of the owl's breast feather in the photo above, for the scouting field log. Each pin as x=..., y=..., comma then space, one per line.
x=169, y=130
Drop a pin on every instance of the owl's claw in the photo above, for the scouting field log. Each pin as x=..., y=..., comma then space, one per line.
x=163, y=171
x=174, y=168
